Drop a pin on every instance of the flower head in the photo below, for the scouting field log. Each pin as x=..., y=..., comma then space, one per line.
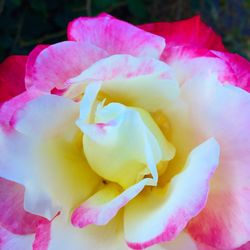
x=126, y=137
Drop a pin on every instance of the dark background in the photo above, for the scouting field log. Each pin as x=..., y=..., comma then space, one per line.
x=25, y=23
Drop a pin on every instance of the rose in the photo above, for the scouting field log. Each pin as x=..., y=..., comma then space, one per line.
x=156, y=121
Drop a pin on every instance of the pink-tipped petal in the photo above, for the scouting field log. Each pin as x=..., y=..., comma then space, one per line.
x=49, y=165
x=12, y=72
x=187, y=61
x=223, y=112
x=115, y=36
x=30, y=63
x=220, y=223
x=54, y=65
x=244, y=247
x=12, y=216
x=238, y=70
x=10, y=241
x=191, y=31
x=160, y=214
x=10, y=107
x=43, y=234
x=105, y=204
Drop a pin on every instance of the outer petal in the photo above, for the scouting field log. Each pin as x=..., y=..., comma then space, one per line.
x=220, y=222
x=10, y=241
x=188, y=61
x=115, y=36
x=239, y=68
x=224, y=112
x=30, y=63
x=12, y=72
x=160, y=214
x=191, y=31
x=60, y=62
x=45, y=167
x=12, y=216
x=9, y=108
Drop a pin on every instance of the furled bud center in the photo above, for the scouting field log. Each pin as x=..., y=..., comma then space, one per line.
x=122, y=144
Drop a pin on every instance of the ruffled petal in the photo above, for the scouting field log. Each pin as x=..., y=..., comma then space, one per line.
x=60, y=62
x=53, y=169
x=115, y=36
x=12, y=216
x=10, y=241
x=12, y=72
x=191, y=31
x=222, y=112
x=187, y=61
x=160, y=214
x=30, y=63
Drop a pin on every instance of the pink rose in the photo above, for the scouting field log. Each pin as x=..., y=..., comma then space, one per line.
x=126, y=137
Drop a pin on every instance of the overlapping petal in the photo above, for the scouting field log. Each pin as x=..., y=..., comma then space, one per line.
x=159, y=214
x=51, y=160
x=54, y=65
x=115, y=36
x=190, y=31
x=139, y=82
x=13, y=217
x=223, y=111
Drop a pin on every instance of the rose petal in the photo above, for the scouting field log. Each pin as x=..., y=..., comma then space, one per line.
x=60, y=62
x=115, y=36
x=182, y=242
x=31, y=62
x=187, y=61
x=43, y=234
x=140, y=82
x=244, y=247
x=160, y=214
x=191, y=31
x=100, y=208
x=12, y=72
x=32, y=119
x=12, y=216
x=224, y=222
x=224, y=112
x=10, y=241
x=106, y=136
x=47, y=167
x=238, y=72
x=64, y=236
x=10, y=107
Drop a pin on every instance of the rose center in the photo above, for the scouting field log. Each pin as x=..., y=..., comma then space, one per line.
x=122, y=144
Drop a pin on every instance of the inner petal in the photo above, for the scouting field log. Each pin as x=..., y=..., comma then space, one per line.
x=127, y=141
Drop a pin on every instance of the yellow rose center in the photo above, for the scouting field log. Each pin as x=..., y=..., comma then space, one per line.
x=122, y=144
